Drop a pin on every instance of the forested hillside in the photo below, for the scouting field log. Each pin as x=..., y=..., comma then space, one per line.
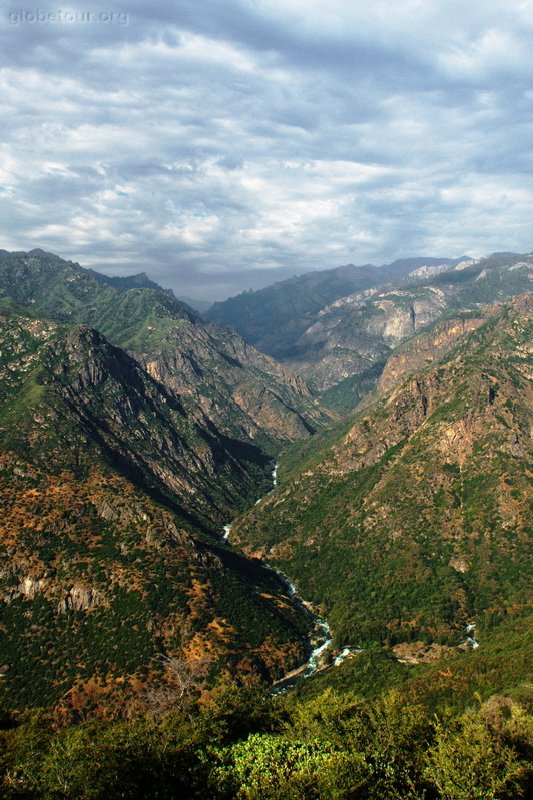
x=113, y=501
x=413, y=520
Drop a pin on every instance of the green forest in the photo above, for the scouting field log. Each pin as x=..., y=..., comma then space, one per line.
x=240, y=742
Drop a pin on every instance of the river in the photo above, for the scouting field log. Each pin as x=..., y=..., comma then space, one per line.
x=470, y=635
x=320, y=640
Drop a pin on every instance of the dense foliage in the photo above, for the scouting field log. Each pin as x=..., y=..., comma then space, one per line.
x=242, y=744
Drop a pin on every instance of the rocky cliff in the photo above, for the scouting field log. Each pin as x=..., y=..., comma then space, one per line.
x=113, y=497
x=274, y=318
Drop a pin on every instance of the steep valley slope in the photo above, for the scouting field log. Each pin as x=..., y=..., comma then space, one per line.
x=246, y=394
x=412, y=520
x=113, y=494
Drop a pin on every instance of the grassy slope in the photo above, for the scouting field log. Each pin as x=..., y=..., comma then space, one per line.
x=133, y=318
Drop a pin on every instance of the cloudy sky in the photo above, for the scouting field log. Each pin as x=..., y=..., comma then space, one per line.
x=225, y=144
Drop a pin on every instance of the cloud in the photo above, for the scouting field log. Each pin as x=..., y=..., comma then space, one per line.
x=234, y=143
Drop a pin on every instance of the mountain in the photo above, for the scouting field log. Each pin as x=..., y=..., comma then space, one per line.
x=411, y=520
x=246, y=394
x=341, y=348
x=119, y=408
x=199, y=305
x=138, y=281
x=130, y=312
x=131, y=432
x=113, y=492
x=354, y=335
x=273, y=319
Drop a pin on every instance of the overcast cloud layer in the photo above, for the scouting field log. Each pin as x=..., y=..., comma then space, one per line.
x=224, y=144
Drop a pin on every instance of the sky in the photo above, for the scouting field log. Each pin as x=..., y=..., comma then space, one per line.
x=221, y=145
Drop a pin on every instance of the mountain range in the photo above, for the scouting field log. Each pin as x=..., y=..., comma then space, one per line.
x=238, y=388
x=275, y=317
x=339, y=340
x=133, y=431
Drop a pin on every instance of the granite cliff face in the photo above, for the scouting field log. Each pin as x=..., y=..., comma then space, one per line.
x=411, y=520
x=341, y=347
x=274, y=318
x=357, y=333
x=113, y=494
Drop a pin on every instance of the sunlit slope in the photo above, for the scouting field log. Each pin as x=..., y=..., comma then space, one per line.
x=413, y=519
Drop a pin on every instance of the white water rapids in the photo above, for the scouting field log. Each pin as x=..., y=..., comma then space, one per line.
x=321, y=638
x=470, y=635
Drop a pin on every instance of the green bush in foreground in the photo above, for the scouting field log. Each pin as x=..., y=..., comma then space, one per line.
x=267, y=767
x=246, y=745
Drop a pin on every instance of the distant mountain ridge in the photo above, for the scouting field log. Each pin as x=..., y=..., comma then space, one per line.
x=138, y=281
x=341, y=347
x=273, y=318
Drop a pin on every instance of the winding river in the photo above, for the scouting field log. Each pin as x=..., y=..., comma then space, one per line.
x=320, y=639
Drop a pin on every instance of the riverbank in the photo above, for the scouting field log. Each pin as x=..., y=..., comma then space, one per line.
x=322, y=656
